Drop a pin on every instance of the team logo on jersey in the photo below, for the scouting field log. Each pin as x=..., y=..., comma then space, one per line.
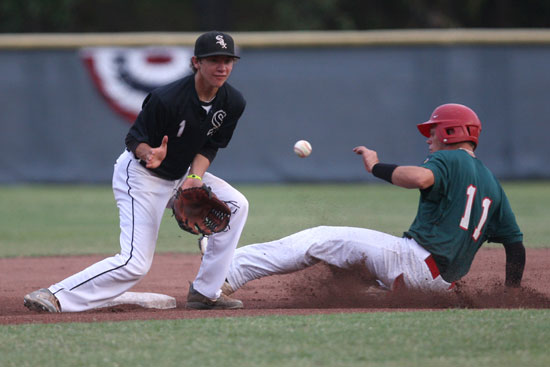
x=221, y=41
x=217, y=121
x=124, y=76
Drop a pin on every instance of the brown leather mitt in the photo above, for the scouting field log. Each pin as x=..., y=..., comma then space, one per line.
x=198, y=210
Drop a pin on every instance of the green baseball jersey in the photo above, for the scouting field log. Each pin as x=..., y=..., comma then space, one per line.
x=465, y=207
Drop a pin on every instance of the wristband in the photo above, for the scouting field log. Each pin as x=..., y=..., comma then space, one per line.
x=192, y=175
x=384, y=171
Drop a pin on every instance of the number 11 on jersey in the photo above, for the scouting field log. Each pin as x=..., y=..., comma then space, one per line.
x=485, y=205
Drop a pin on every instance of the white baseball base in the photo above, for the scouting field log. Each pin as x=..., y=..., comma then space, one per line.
x=144, y=299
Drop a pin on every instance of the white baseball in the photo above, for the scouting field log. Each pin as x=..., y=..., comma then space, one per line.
x=302, y=148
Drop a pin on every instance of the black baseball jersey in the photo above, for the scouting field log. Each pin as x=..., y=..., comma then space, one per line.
x=175, y=110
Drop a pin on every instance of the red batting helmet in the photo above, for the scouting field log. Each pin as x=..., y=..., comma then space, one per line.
x=454, y=123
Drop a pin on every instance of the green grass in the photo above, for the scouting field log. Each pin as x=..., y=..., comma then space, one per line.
x=61, y=220
x=442, y=338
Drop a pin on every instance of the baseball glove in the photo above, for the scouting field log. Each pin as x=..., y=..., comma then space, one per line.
x=198, y=210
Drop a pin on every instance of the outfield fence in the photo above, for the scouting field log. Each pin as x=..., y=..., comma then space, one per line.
x=67, y=104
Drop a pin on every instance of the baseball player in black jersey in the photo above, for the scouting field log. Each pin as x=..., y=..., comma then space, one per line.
x=172, y=143
x=461, y=206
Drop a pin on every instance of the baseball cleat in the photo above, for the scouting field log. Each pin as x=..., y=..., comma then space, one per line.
x=197, y=301
x=203, y=243
x=227, y=289
x=42, y=300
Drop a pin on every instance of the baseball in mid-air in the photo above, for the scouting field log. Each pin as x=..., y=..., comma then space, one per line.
x=302, y=148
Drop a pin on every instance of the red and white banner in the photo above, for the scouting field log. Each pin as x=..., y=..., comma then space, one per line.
x=124, y=76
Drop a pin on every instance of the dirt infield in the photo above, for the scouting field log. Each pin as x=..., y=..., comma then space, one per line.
x=319, y=289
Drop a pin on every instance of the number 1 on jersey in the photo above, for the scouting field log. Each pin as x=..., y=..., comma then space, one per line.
x=485, y=205
x=180, y=131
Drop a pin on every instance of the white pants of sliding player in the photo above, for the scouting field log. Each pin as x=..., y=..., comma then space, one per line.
x=142, y=199
x=386, y=257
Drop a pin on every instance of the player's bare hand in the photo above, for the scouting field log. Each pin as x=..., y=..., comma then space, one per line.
x=155, y=156
x=370, y=157
x=152, y=157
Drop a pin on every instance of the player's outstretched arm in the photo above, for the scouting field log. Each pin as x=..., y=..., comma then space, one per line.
x=409, y=177
x=413, y=177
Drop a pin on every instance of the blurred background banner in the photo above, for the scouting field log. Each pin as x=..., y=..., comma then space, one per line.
x=124, y=76
x=68, y=100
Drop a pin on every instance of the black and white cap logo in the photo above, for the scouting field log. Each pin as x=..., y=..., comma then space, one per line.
x=124, y=76
x=220, y=41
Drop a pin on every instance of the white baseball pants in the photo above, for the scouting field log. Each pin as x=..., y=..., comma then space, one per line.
x=388, y=258
x=141, y=199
